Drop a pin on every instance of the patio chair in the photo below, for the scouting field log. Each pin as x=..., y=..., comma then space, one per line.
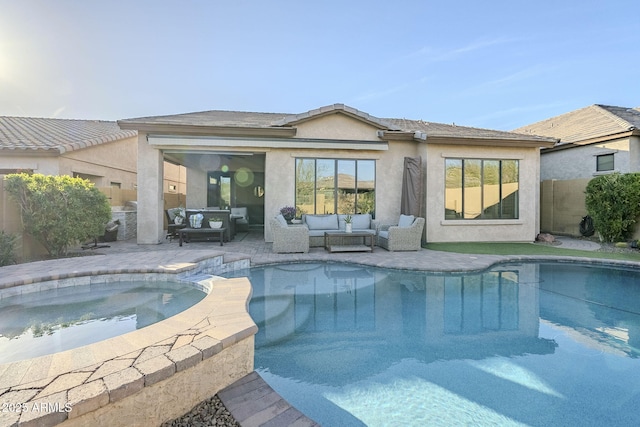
x=172, y=227
x=289, y=239
x=242, y=218
x=404, y=236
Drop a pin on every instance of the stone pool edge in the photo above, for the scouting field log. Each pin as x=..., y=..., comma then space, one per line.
x=144, y=377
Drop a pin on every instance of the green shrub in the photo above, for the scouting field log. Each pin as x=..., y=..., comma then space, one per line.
x=7, y=248
x=613, y=201
x=59, y=211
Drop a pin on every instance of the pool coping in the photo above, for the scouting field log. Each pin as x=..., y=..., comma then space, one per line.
x=68, y=386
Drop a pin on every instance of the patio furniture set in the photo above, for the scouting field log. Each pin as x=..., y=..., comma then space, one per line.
x=331, y=232
x=196, y=223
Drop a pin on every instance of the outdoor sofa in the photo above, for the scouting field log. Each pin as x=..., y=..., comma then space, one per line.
x=225, y=215
x=288, y=238
x=318, y=224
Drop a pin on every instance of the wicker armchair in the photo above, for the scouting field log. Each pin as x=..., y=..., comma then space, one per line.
x=289, y=239
x=394, y=238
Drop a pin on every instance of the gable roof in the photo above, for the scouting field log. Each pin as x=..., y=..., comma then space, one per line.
x=330, y=109
x=283, y=124
x=587, y=124
x=56, y=136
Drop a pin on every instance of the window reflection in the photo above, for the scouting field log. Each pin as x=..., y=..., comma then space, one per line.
x=481, y=189
x=326, y=186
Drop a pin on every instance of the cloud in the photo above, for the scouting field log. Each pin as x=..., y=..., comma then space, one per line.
x=441, y=55
x=58, y=112
x=517, y=76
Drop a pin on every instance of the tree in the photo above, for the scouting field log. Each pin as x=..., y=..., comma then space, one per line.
x=613, y=201
x=59, y=211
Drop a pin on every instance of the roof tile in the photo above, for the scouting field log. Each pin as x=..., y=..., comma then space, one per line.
x=586, y=123
x=58, y=135
x=217, y=118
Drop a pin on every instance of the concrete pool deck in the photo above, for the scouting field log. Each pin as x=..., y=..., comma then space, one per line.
x=130, y=257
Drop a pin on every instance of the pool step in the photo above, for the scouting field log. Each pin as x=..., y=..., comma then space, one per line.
x=253, y=403
x=277, y=324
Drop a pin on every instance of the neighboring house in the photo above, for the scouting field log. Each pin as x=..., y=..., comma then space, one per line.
x=479, y=185
x=95, y=150
x=594, y=140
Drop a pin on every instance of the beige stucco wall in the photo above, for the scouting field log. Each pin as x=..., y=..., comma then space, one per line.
x=112, y=162
x=46, y=165
x=175, y=175
x=150, y=193
x=523, y=229
x=336, y=126
x=563, y=206
x=196, y=188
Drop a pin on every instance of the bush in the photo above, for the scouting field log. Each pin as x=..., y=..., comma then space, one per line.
x=613, y=201
x=59, y=211
x=7, y=248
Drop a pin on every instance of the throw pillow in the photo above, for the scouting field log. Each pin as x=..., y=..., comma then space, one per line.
x=322, y=222
x=405, y=221
x=361, y=221
x=282, y=221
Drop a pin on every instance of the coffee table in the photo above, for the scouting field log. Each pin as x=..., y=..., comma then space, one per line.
x=341, y=241
x=184, y=233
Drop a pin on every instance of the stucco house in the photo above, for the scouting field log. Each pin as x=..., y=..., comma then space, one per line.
x=592, y=141
x=597, y=139
x=479, y=185
x=95, y=150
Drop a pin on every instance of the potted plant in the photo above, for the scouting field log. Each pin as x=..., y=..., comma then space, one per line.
x=215, y=222
x=348, y=224
x=178, y=215
x=288, y=212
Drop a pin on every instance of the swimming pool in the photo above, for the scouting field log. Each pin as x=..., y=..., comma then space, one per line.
x=520, y=344
x=40, y=323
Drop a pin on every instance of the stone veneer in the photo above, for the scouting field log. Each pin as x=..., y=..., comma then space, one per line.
x=144, y=377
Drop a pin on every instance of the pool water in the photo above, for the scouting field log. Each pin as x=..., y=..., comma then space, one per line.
x=526, y=344
x=47, y=322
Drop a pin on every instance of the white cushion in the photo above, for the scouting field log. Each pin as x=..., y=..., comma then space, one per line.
x=241, y=212
x=384, y=234
x=361, y=221
x=406, y=221
x=322, y=222
x=282, y=221
x=358, y=221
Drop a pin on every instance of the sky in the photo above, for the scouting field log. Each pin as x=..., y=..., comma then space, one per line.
x=497, y=64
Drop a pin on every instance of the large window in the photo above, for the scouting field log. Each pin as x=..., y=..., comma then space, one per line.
x=481, y=189
x=326, y=186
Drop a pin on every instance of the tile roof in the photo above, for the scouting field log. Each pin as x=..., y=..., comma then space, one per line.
x=594, y=121
x=455, y=131
x=28, y=134
x=241, y=119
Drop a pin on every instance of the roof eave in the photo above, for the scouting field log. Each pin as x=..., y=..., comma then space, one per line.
x=491, y=142
x=276, y=132
x=605, y=138
x=31, y=152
